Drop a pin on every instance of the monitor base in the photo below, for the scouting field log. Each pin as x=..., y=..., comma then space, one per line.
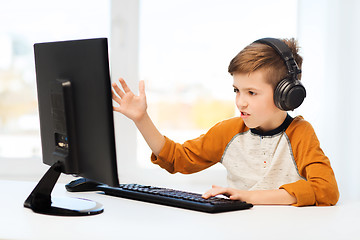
x=71, y=207
x=40, y=200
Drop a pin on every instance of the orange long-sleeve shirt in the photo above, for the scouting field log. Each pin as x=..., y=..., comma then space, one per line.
x=288, y=157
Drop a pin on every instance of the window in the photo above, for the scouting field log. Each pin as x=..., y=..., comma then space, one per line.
x=185, y=49
x=23, y=24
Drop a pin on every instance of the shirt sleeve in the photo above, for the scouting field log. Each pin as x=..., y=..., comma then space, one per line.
x=197, y=154
x=320, y=187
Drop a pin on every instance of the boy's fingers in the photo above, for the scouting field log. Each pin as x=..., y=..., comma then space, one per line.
x=124, y=85
x=118, y=90
x=214, y=192
x=206, y=195
x=142, y=88
x=115, y=97
x=117, y=109
x=218, y=190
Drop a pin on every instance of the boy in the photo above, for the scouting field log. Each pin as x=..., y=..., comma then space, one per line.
x=270, y=157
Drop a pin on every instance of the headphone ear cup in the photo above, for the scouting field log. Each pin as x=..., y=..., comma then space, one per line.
x=289, y=94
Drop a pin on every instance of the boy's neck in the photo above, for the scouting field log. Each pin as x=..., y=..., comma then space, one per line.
x=282, y=127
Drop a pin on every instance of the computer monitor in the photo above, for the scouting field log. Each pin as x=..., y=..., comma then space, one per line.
x=76, y=120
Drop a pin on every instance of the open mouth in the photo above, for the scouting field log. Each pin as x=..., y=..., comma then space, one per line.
x=244, y=114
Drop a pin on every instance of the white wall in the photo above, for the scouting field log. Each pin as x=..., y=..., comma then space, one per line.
x=329, y=34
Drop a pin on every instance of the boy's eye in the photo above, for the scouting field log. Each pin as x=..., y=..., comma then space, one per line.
x=236, y=90
x=252, y=93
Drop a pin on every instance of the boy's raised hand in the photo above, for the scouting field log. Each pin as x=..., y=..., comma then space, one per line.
x=134, y=107
x=131, y=105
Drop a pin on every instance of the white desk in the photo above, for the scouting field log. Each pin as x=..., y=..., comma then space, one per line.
x=128, y=219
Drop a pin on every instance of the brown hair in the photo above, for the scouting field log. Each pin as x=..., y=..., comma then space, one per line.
x=261, y=56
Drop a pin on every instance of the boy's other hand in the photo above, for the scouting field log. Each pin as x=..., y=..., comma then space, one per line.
x=274, y=197
x=129, y=104
x=232, y=193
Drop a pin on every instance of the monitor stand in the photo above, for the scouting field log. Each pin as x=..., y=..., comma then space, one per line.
x=40, y=200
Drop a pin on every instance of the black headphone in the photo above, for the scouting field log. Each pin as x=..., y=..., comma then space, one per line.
x=289, y=92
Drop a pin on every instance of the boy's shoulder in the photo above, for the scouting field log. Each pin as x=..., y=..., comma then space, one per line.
x=230, y=126
x=234, y=122
x=300, y=127
x=299, y=121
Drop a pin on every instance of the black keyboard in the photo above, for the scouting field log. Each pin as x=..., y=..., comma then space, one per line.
x=164, y=196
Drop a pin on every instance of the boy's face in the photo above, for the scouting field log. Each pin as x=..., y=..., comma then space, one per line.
x=254, y=99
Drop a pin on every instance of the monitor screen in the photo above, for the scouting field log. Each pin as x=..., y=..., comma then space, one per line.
x=75, y=109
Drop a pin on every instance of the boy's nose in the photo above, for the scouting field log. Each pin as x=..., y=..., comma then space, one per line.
x=241, y=102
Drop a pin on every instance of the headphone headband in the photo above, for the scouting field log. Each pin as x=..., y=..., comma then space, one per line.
x=285, y=52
